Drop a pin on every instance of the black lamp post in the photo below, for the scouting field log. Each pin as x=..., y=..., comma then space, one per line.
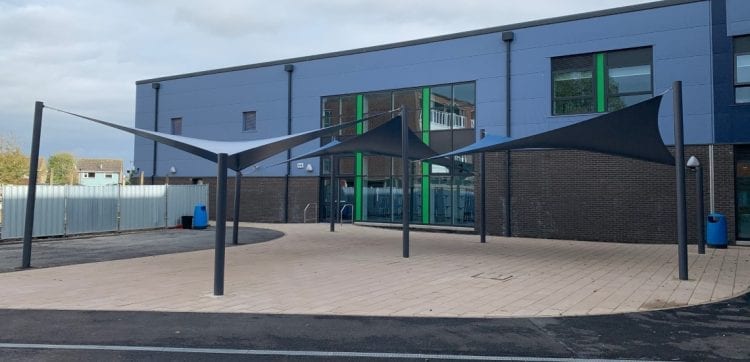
x=695, y=165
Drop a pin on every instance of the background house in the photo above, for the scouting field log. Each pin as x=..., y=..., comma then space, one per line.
x=99, y=172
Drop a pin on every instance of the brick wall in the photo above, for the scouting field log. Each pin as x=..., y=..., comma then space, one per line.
x=587, y=196
x=262, y=198
x=555, y=194
x=302, y=190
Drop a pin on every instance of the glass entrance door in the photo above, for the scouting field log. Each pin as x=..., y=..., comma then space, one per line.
x=743, y=199
x=345, y=196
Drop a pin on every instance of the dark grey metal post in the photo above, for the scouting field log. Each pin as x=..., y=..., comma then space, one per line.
x=700, y=218
x=156, y=87
x=332, y=202
x=508, y=37
x=483, y=195
x=236, y=216
x=337, y=198
x=406, y=203
x=221, y=223
x=679, y=142
x=28, y=229
x=289, y=69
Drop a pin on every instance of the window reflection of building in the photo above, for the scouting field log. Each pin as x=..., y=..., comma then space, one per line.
x=441, y=194
x=742, y=69
x=601, y=82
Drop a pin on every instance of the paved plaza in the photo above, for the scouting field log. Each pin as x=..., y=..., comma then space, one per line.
x=359, y=271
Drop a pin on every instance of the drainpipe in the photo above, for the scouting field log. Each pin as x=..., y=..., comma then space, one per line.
x=508, y=37
x=289, y=69
x=483, y=195
x=156, y=87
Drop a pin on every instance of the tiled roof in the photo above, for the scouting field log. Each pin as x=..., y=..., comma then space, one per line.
x=99, y=165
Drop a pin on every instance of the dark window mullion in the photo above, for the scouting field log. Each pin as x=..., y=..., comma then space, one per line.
x=625, y=94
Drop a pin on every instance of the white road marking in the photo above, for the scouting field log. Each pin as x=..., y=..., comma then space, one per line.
x=271, y=352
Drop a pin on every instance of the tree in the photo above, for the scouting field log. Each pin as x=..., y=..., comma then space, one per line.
x=42, y=171
x=14, y=165
x=62, y=169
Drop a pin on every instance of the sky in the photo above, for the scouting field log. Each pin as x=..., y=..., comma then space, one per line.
x=85, y=56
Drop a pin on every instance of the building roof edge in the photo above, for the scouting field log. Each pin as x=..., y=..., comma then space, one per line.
x=464, y=34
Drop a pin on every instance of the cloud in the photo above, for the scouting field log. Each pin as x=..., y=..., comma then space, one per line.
x=31, y=23
x=85, y=55
x=234, y=18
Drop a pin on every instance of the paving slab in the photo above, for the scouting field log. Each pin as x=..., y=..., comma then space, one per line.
x=359, y=270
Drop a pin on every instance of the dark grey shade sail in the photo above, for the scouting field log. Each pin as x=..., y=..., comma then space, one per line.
x=241, y=154
x=384, y=140
x=631, y=132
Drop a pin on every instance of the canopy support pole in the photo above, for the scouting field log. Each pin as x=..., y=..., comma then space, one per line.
x=332, y=201
x=28, y=229
x=236, y=215
x=679, y=142
x=406, y=202
x=221, y=223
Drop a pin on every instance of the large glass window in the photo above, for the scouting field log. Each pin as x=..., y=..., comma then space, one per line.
x=339, y=109
x=629, y=77
x=742, y=69
x=573, y=84
x=452, y=123
x=374, y=104
x=601, y=82
x=445, y=118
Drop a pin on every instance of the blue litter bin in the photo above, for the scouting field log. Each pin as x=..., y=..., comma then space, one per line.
x=716, y=231
x=200, y=217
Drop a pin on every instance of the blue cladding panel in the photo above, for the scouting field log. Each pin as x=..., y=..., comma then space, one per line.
x=731, y=120
x=211, y=105
x=738, y=17
x=679, y=37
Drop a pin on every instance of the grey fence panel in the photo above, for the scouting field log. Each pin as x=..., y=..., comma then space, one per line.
x=181, y=201
x=142, y=207
x=49, y=211
x=70, y=210
x=91, y=209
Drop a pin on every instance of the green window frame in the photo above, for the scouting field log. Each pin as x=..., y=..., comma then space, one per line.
x=742, y=69
x=601, y=82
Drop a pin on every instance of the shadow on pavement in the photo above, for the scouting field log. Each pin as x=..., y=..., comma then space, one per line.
x=47, y=253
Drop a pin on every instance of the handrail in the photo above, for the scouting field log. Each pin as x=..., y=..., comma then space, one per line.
x=341, y=214
x=304, y=213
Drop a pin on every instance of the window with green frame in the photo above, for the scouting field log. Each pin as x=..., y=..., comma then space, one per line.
x=601, y=82
x=742, y=69
x=445, y=118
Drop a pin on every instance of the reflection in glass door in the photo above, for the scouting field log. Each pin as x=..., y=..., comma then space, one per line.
x=743, y=199
x=345, y=197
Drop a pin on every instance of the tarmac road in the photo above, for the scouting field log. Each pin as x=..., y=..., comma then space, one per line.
x=719, y=331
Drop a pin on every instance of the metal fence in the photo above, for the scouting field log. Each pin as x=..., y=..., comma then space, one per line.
x=72, y=210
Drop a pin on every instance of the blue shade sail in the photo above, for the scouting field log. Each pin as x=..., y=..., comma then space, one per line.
x=631, y=132
x=240, y=154
x=384, y=140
